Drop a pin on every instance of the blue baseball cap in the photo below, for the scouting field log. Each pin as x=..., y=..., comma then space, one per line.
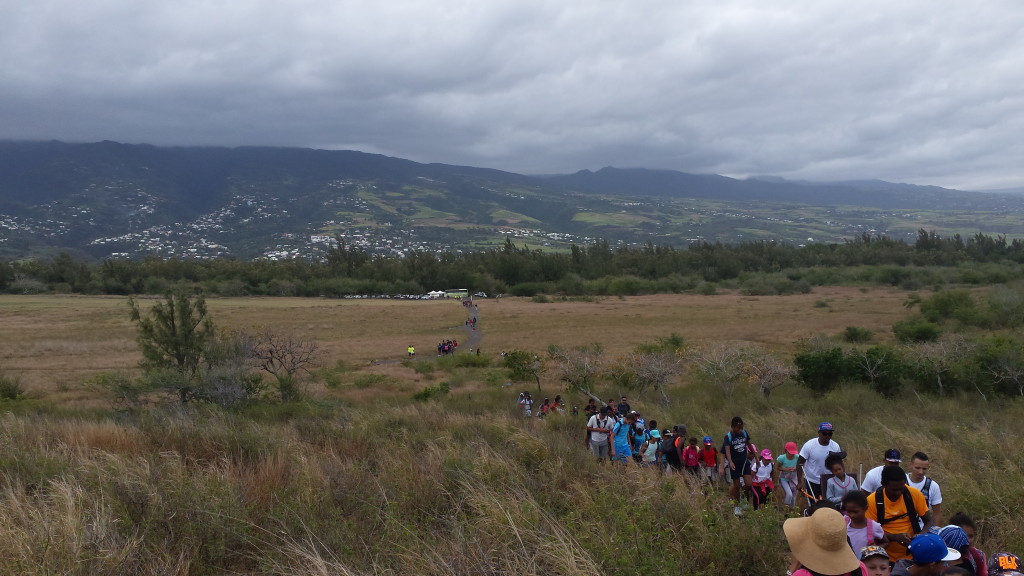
x=708, y=441
x=927, y=548
x=825, y=427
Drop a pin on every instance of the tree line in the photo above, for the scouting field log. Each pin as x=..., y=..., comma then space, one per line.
x=758, y=267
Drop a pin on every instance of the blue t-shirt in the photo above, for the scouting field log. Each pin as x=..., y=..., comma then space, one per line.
x=738, y=443
x=787, y=461
x=621, y=430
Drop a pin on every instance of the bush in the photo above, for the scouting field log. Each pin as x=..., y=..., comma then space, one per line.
x=11, y=388
x=855, y=334
x=916, y=330
x=431, y=392
x=820, y=370
x=950, y=304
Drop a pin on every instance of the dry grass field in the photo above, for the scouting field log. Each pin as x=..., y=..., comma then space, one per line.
x=366, y=479
x=54, y=343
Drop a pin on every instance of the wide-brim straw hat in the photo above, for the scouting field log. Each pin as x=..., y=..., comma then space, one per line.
x=819, y=542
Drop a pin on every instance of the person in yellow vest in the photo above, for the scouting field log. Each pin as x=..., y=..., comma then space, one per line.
x=412, y=350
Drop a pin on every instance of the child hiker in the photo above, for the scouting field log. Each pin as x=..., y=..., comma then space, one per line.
x=788, y=461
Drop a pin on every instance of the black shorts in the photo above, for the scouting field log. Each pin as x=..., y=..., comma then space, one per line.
x=741, y=470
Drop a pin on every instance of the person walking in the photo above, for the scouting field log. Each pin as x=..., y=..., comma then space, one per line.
x=812, y=459
x=600, y=428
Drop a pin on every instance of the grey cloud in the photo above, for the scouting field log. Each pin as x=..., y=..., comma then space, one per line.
x=915, y=91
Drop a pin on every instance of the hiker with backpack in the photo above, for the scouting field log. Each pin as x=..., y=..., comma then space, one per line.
x=734, y=448
x=622, y=443
x=898, y=507
x=650, y=450
x=917, y=478
x=638, y=436
x=861, y=530
x=599, y=427
x=708, y=457
x=668, y=451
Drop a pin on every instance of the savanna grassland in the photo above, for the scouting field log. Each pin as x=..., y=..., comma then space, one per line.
x=361, y=478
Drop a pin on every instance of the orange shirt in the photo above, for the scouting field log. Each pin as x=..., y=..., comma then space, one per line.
x=896, y=550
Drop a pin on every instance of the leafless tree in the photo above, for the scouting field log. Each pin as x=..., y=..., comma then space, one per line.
x=766, y=370
x=720, y=363
x=654, y=370
x=285, y=356
x=941, y=356
x=874, y=366
x=1008, y=368
x=578, y=367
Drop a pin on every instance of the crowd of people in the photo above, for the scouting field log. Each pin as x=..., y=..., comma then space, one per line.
x=447, y=347
x=890, y=523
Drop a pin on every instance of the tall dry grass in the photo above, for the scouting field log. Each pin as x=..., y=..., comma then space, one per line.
x=433, y=488
x=363, y=480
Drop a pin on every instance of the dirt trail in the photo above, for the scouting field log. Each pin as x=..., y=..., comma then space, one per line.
x=472, y=340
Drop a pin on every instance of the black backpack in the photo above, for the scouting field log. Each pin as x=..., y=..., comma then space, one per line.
x=908, y=502
x=668, y=447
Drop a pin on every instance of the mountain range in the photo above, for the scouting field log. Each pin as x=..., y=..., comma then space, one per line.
x=110, y=200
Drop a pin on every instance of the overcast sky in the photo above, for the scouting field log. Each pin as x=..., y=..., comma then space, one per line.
x=922, y=91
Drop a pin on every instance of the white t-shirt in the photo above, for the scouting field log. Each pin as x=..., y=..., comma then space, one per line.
x=872, y=480
x=814, y=455
x=762, y=472
x=599, y=422
x=934, y=494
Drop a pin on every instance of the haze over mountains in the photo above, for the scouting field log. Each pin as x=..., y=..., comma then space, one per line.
x=107, y=199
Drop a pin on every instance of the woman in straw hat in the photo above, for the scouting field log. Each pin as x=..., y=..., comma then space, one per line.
x=819, y=546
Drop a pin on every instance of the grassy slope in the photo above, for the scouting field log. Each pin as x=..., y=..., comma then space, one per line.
x=366, y=481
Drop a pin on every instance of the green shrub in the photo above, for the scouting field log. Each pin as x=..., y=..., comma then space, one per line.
x=11, y=388
x=916, y=329
x=126, y=392
x=527, y=289
x=431, y=392
x=950, y=304
x=820, y=370
x=707, y=289
x=856, y=334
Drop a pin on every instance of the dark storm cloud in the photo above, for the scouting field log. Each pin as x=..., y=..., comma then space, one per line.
x=916, y=91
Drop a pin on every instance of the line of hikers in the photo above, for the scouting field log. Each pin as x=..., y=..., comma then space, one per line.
x=884, y=516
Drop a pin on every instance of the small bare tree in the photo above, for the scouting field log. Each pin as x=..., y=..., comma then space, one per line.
x=766, y=370
x=654, y=370
x=720, y=363
x=578, y=367
x=284, y=356
x=941, y=358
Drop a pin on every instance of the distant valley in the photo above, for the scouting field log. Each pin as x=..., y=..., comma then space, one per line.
x=110, y=200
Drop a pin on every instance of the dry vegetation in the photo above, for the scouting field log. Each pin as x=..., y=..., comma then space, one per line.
x=361, y=479
x=53, y=343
